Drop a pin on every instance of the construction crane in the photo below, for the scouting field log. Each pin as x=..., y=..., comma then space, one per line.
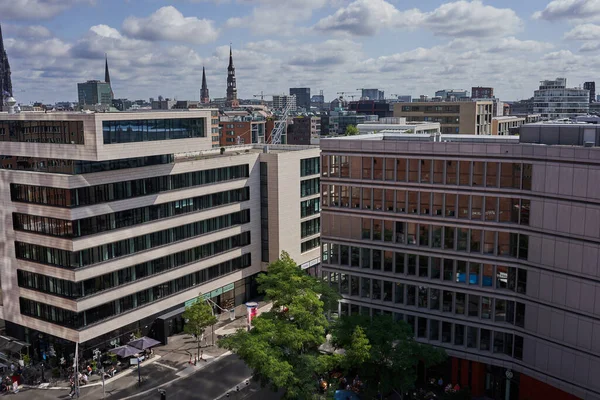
x=280, y=125
x=262, y=96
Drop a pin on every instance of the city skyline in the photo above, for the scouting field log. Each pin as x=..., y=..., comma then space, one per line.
x=406, y=47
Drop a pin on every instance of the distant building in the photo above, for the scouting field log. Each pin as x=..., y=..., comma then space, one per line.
x=451, y=93
x=507, y=125
x=521, y=107
x=480, y=92
x=455, y=117
x=281, y=102
x=405, y=98
x=232, y=99
x=5, y=82
x=591, y=86
x=336, y=122
x=400, y=125
x=242, y=127
x=372, y=94
x=318, y=101
x=371, y=107
x=94, y=92
x=302, y=97
x=122, y=104
x=554, y=100
x=165, y=104
x=302, y=129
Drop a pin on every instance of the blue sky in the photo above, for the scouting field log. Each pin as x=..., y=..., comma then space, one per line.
x=158, y=47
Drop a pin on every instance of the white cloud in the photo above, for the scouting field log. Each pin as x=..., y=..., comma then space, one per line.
x=31, y=48
x=514, y=44
x=456, y=19
x=584, y=32
x=27, y=31
x=570, y=10
x=327, y=54
x=36, y=9
x=168, y=24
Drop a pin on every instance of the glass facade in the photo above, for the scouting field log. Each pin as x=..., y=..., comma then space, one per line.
x=75, y=167
x=310, y=187
x=152, y=129
x=310, y=244
x=123, y=190
x=92, y=316
x=94, y=255
x=310, y=166
x=310, y=228
x=123, y=219
x=264, y=212
x=62, y=132
x=310, y=207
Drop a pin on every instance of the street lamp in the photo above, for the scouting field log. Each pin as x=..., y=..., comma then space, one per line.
x=163, y=394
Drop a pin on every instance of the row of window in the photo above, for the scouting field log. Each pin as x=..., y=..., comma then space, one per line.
x=65, y=132
x=499, y=277
x=89, y=317
x=143, y=130
x=310, y=166
x=455, y=334
x=264, y=211
x=310, y=187
x=122, y=219
x=464, y=206
x=506, y=244
x=310, y=245
x=310, y=227
x=74, y=167
x=123, y=190
x=94, y=255
x=75, y=290
x=448, y=172
x=469, y=305
x=310, y=207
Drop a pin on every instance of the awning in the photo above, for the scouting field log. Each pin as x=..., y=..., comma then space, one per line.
x=12, y=345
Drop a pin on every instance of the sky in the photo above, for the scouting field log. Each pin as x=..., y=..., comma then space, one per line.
x=158, y=47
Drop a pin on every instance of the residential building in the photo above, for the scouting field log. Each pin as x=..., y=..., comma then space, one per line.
x=399, y=125
x=94, y=92
x=591, y=86
x=302, y=129
x=480, y=92
x=509, y=125
x=241, y=127
x=554, y=100
x=372, y=107
x=529, y=118
x=5, y=81
x=521, y=107
x=282, y=102
x=118, y=233
x=372, y=94
x=455, y=117
x=405, y=98
x=487, y=246
x=451, y=94
x=302, y=97
x=232, y=100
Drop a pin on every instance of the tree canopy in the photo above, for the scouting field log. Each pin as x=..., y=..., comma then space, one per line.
x=351, y=130
x=198, y=317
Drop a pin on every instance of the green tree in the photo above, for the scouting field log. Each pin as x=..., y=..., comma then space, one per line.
x=283, y=346
x=351, y=130
x=198, y=317
x=393, y=352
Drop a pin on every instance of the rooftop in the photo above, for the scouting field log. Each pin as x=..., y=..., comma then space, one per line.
x=233, y=151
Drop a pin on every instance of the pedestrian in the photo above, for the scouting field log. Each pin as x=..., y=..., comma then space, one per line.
x=441, y=382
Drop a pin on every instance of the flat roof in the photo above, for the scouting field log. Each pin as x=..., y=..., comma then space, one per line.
x=232, y=151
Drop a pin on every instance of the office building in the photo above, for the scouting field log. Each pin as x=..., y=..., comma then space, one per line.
x=508, y=125
x=231, y=98
x=455, y=117
x=282, y=102
x=486, y=246
x=554, y=100
x=591, y=86
x=382, y=109
x=302, y=129
x=399, y=125
x=336, y=122
x=5, y=81
x=405, y=98
x=480, y=92
x=372, y=94
x=318, y=101
x=242, y=127
x=448, y=94
x=94, y=92
x=302, y=97
x=115, y=234
x=163, y=104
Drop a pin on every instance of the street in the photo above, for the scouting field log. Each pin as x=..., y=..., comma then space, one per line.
x=209, y=383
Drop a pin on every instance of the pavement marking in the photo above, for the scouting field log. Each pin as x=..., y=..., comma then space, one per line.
x=242, y=385
x=166, y=366
x=154, y=389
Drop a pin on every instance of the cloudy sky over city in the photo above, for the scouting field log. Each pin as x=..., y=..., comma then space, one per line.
x=158, y=47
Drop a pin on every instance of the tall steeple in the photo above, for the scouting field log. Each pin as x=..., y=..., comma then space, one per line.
x=204, y=96
x=232, y=100
x=5, y=82
x=107, y=75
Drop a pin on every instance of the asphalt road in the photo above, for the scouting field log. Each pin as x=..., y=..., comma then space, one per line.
x=210, y=383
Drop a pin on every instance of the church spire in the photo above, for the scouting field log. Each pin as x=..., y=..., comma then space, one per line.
x=5, y=82
x=232, y=100
x=230, y=57
x=106, y=74
x=204, y=96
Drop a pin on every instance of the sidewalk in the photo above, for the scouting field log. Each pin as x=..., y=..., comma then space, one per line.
x=170, y=361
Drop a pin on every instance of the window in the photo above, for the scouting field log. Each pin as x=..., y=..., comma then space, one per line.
x=463, y=239
x=472, y=334
x=438, y=171
x=366, y=228
x=500, y=310
x=310, y=228
x=412, y=264
x=450, y=205
x=524, y=212
x=459, y=335
x=366, y=258
x=367, y=198
x=486, y=307
x=399, y=263
x=387, y=291
x=310, y=166
x=451, y=172
x=460, y=303
x=473, y=306
x=491, y=174
x=413, y=170
x=152, y=129
x=475, y=245
x=425, y=171
x=400, y=201
x=484, y=340
x=461, y=271
x=436, y=267
x=355, y=257
x=463, y=206
x=422, y=327
x=310, y=207
x=365, y=287
x=522, y=281
x=447, y=305
x=367, y=168
x=401, y=169
x=423, y=299
x=376, y=289
x=389, y=169
x=474, y=270
x=434, y=301
x=448, y=269
x=476, y=207
x=354, y=286
x=526, y=183
x=423, y=235
x=411, y=295
x=309, y=245
x=465, y=173
x=376, y=259
x=399, y=293
x=449, y=238
x=446, y=332
x=434, y=329
x=378, y=168
x=309, y=187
